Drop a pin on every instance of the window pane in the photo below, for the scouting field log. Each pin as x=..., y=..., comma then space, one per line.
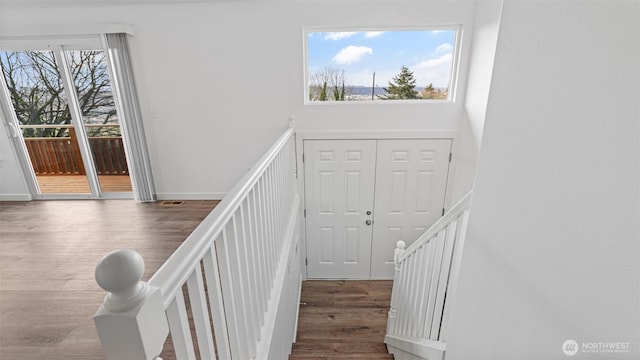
x=36, y=91
x=380, y=65
x=93, y=87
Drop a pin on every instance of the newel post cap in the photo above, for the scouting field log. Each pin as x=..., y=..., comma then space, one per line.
x=120, y=273
x=131, y=322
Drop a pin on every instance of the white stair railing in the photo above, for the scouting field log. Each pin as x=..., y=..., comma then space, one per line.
x=425, y=280
x=241, y=254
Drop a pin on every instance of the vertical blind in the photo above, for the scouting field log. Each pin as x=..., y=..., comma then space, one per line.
x=128, y=107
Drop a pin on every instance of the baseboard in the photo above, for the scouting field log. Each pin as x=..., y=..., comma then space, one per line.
x=191, y=196
x=415, y=349
x=16, y=197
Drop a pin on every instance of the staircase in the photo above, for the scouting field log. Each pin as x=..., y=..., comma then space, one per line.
x=342, y=320
x=231, y=290
x=426, y=275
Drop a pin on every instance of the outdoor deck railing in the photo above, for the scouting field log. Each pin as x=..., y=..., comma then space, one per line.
x=61, y=155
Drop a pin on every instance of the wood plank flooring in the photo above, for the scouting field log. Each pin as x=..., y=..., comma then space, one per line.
x=48, y=253
x=343, y=320
x=48, y=295
x=78, y=184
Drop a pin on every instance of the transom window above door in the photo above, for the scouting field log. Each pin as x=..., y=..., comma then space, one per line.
x=374, y=65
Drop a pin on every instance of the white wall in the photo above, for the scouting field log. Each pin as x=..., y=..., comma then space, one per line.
x=12, y=184
x=208, y=121
x=285, y=329
x=552, y=250
x=485, y=36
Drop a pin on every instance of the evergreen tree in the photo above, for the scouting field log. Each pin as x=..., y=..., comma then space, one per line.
x=402, y=86
x=328, y=84
x=429, y=92
x=323, y=92
x=338, y=93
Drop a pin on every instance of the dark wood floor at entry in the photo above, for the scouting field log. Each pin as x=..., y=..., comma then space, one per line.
x=343, y=320
x=48, y=253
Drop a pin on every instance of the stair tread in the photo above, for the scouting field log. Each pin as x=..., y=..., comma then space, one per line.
x=341, y=356
x=339, y=348
x=343, y=320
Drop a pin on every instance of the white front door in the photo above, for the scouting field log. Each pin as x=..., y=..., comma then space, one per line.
x=411, y=180
x=362, y=196
x=339, y=186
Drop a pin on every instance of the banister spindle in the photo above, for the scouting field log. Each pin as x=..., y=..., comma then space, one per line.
x=131, y=321
x=393, y=307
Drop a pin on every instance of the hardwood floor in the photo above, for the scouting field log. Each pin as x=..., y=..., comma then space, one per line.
x=48, y=295
x=48, y=253
x=343, y=320
x=78, y=184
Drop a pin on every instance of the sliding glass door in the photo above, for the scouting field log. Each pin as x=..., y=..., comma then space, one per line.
x=66, y=120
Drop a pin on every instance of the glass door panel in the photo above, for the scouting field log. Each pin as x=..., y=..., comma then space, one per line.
x=99, y=118
x=43, y=114
x=71, y=133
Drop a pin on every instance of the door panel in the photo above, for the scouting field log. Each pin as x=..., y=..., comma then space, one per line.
x=411, y=179
x=99, y=118
x=339, y=183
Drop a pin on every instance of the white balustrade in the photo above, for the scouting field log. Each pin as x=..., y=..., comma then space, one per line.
x=424, y=284
x=231, y=268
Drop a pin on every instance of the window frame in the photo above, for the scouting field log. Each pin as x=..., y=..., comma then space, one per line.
x=142, y=182
x=453, y=77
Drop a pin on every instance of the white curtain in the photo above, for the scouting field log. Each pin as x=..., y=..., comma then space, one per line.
x=128, y=107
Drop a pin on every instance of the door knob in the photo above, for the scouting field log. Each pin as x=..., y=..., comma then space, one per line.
x=369, y=212
x=368, y=222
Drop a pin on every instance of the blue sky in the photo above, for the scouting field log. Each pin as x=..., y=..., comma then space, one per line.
x=428, y=53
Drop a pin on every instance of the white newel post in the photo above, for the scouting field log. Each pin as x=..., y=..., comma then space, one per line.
x=292, y=121
x=131, y=321
x=400, y=245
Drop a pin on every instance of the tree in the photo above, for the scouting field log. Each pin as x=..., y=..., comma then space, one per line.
x=402, y=86
x=36, y=89
x=327, y=78
x=323, y=92
x=429, y=92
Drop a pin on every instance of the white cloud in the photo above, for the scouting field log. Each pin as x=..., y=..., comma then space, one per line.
x=372, y=34
x=434, y=63
x=444, y=48
x=351, y=54
x=338, y=35
x=436, y=71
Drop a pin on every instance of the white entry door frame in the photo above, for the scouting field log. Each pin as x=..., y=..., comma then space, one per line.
x=401, y=203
